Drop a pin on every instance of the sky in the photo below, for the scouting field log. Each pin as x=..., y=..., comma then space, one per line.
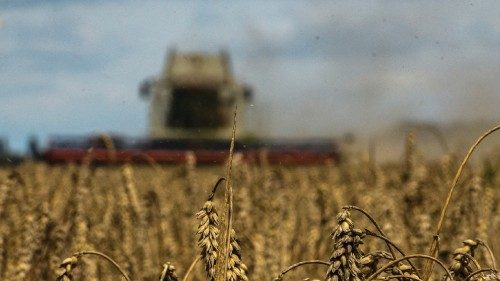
x=318, y=68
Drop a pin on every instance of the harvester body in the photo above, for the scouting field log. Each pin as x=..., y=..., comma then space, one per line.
x=192, y=103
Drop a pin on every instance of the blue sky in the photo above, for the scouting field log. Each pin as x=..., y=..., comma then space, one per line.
x=319, y=68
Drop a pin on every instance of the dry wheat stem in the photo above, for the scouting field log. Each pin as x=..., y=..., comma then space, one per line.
x=490, y=252
x=190, y=269
x=294, y=266
x=369, y=262
x=404, y=277
x=479, y=272
x=226, y=222
x=401, y=276
x=474, y=261
x=394, y=262
x=435, y=240
x=379, y=229
x=214, y=190
x=387, y=240
x=99, y=254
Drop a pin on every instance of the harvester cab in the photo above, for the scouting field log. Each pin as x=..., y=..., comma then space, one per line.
x=194, y=97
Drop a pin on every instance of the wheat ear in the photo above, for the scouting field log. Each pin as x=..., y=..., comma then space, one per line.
x=168, y=273
x=461, y=266
x=208, y=232
x=344, y=261
x=237, y=270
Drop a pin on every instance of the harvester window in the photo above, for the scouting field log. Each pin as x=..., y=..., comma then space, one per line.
x=195, y=108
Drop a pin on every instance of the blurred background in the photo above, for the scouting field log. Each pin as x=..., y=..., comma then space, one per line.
x=365, y=71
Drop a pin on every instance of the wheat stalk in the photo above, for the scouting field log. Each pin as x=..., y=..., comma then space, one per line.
x=221, y=267
x=369, y=262
x=416, y=256
x=70, y=263
x=404, y=270
x=493, y=276
x=435, y=240
x=297, y=265
x=191, y=268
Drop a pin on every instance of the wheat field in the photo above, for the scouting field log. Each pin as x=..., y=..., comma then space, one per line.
x=63, y=222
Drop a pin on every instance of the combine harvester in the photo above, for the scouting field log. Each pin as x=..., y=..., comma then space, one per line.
x=191, y=114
